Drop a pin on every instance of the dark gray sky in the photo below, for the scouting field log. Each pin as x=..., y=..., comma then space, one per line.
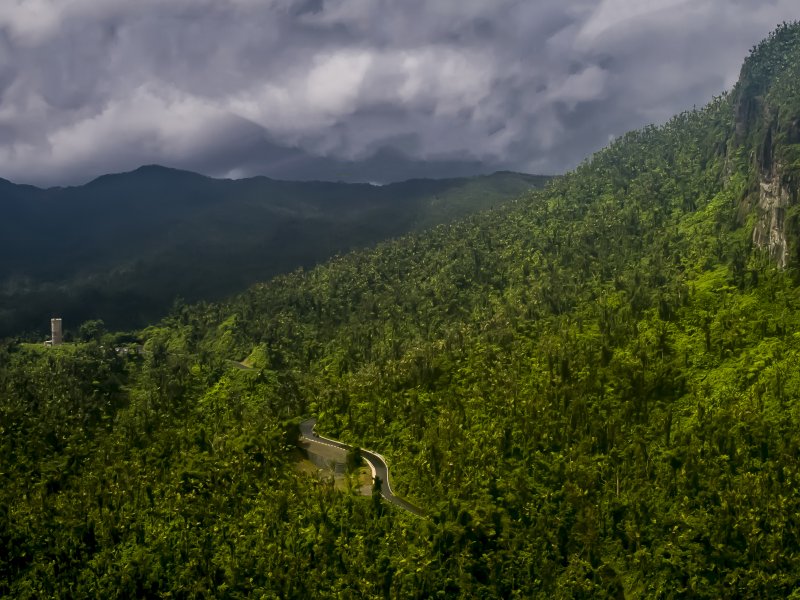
x=352, y=89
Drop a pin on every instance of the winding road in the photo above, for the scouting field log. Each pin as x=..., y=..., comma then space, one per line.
x=376, y=462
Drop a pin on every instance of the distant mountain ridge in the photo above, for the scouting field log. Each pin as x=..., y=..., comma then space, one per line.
x=123, y=246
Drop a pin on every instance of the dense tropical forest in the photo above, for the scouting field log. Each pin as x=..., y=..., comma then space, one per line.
x=123, y=247
x=593, y=391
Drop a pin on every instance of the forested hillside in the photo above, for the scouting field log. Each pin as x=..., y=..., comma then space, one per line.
x=124, y=247
x=593, y=391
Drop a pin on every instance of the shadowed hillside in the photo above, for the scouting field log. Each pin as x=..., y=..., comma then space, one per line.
x=124, y=247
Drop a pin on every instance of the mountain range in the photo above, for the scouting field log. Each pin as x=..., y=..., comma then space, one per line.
x=124, y=247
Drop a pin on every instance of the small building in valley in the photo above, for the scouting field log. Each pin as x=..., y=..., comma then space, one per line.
x=56, y=333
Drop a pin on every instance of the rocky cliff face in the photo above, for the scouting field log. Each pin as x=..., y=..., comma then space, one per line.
x=767, y=130
x=774, y=198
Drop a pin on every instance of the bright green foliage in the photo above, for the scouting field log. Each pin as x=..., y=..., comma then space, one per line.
x=593, y=391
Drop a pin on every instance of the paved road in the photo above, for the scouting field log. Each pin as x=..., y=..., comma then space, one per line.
x=239, y=365
x=376, y=462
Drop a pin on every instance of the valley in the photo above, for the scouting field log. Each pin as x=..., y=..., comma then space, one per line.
x=125, y=248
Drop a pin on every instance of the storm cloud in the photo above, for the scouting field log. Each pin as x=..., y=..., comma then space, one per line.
x=352, y=89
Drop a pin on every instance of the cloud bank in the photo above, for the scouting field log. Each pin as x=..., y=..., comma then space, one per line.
x=352, y=89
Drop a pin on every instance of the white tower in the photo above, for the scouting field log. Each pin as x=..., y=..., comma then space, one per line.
x=56, y=334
